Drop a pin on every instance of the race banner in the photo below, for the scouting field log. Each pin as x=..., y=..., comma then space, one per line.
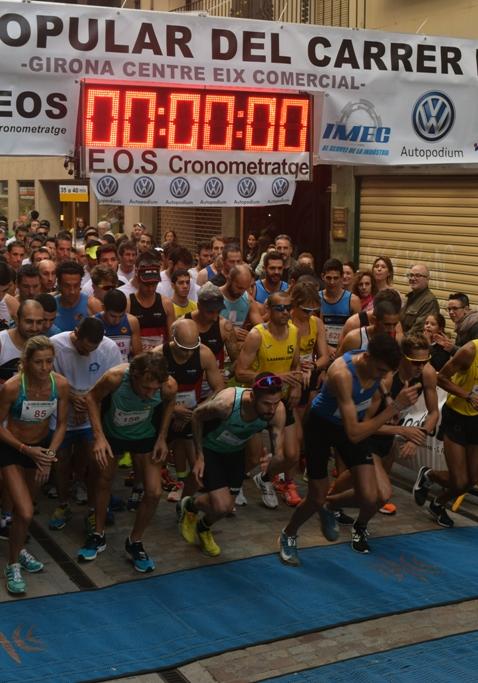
x=390, y=98
x=147, y=190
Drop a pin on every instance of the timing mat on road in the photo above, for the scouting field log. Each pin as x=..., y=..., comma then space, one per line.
x=168, y=620
x=453, y=658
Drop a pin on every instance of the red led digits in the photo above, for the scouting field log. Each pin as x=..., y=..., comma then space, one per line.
x=183, y=130
x=218, y=122
x=101, y=120
x=293, y=126
x=260, y=124
x=139, y=118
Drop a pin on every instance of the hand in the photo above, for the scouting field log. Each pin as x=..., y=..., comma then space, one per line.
x=42, y=475
x=182, y=413
x=178, y=425
x=40, y=456
x=160, y=451
x=306, y=375
x=473, y=400
x=416, y=435
x=293, y=378
x=101, y=452
x=444, y=341
x=79, y=403
x=407, y=396
x=241, y=333
x=408, y=450
x=198, y=469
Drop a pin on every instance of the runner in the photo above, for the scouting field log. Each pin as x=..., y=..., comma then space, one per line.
x=27, y=402
x=239, y=307
x=221, y=426
x=337, y=419
x=459, y=377
x=275, y=347
x=181, y=283
x=272, y=282
x=337, y=304
x=385, y=320
x=130, y=409
x=121, y=327
x=366, y=318
x=72, y=304
x=30, y=317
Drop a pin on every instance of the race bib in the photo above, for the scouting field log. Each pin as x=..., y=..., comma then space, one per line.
x=230, y=439
x=149, y=343
x=332, y=334
x=122, y=418
x=34, y=411
x=187, y=398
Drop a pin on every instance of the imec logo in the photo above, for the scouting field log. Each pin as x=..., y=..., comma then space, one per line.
x=358, y=122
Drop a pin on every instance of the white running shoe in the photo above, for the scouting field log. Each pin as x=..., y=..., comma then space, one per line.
x=241, y=498
x=266, y=488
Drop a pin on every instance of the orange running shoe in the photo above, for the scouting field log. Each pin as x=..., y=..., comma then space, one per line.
x=279, y=485
x=290, y=494
x=388, y=509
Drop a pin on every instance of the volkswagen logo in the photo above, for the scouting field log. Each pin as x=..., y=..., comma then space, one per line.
x=144, y=186
x=213, y=187
x=280, y=187
x=107, y=186
x=433, y=116
x=179, y=187
x=247, y=187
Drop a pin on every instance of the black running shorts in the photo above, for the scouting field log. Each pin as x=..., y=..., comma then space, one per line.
x=224, y=470
x=461, y=429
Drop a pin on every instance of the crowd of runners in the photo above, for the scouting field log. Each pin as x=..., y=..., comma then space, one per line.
x=198, y=370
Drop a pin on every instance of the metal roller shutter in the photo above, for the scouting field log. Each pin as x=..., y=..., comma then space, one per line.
x=191, y=224
x=432, y=219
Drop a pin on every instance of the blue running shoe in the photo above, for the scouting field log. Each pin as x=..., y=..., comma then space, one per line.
x=328, y=524
x=95, y=543
x=288, y=549
x=140, y=558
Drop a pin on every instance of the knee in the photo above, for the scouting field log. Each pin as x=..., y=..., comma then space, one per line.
x=223, y=507
x=24, y=513
x=370, y=499
x=152, y=495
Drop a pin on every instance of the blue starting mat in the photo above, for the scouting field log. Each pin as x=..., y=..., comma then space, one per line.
x=454, y=658
x=166, y=621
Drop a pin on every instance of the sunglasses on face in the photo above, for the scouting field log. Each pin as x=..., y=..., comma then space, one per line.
x=415, y=361
x=281, y=308
x=308, y=309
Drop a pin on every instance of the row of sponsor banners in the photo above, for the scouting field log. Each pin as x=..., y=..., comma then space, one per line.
x=146, y=190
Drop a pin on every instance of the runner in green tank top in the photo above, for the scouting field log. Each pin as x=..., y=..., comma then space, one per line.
x=124, y=412
x=222, y=426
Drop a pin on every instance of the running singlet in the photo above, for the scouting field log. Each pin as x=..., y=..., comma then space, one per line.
x=236, y=311
x=335, y=316
x=120, y=334
x=129, y=417
x=69, y=318
x=468, y=381
x=262, y=294
x=34, y=411
x=325, y=403
x=188, y=376
x=211, y=338
x=9, y=357
x=307, y=341
x=275, y=355
x=184, y=310
x=231, y=435
x=152, y=322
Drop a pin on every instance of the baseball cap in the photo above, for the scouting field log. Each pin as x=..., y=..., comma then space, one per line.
x=44, y=223
x=210, y=297
x=149, y=274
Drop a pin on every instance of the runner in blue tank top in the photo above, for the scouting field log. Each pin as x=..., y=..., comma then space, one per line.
x=123, y=328
x=72, y=305
x=337, y=419
x=337, y=304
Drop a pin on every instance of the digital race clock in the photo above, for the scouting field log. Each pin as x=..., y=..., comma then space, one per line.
x=214, y=120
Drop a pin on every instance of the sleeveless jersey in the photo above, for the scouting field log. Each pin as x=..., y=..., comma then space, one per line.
x=120, y=334
x=210, y=272
x=307, y=341
x=69, y=318
x=183, y=310
x=5, y=318
x=9, y=357
x=152, y=321
x=262, y=294
x=335, y=316
x=211, y=338
x=236, y=311
x=25, y=410
x=275, y=355
x=325, y=403
x=468, y=381
x=129, y=417
x=188, y=376
x=232, y=434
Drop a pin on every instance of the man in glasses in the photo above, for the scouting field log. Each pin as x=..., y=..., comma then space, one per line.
x=337, y=304
x=103, y=280
x=188, y=362
x=272, y=282
x=222, y=426
x=464, y=319
x=275, y=347
x=338, y=420
x=130, y=409
x=420, y=303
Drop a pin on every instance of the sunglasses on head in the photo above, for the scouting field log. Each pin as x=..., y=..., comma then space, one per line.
x=280, y=308
x=308, y=309
x=267, y=382
x=187, y=348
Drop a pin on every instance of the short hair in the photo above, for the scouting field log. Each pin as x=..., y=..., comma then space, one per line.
x=102, y=272
x=148, y=258
x=388, y=263
x=305, y=291
x=126, y=245
x=91, y=329
x=149, y=363
x=306, y=254
x=272, y=388
x=299, y=271
x=180, y=272
x=21, y=227
x=414, y=342
x=109, y=239
x=69, y=268
x=182, y=254
x=284, y=237
x=23, y=304
x=333, y=264
x=47, y=302
x=384, y=348
x=217, y=238
x=105, y=249
x=272, y=256
x=229, y=248
x=390, y=295
x=203, y=245
x=63, y=235
x=15, y=243
x=461, y=297
x=5, y=273
x=115, y=301
x=42, y=250
x=383, y=308
x=28, y=270
x=37, y=238
x=281, y=294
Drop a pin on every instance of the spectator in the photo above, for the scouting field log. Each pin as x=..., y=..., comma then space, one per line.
x=349, y=273
x=420, y=301
x=364, y=287
x=382, y=269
